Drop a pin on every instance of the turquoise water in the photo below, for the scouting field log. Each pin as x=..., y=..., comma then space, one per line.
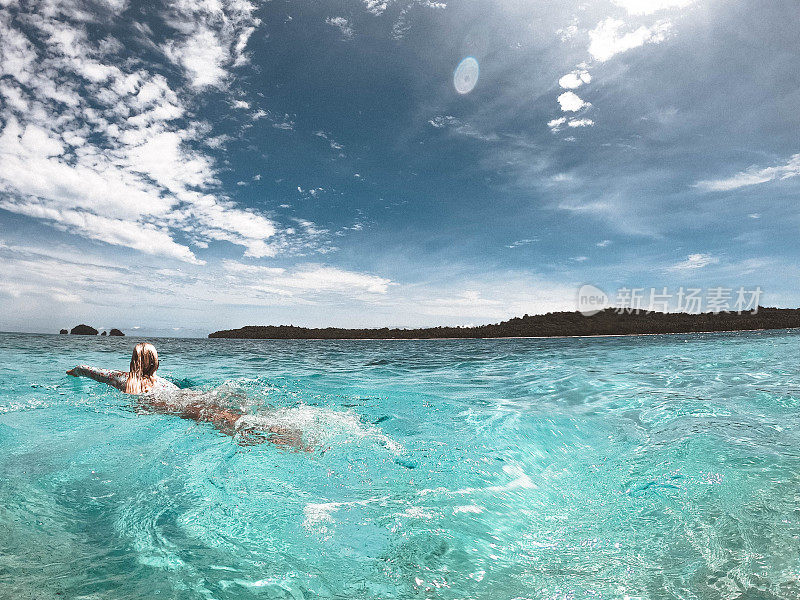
x=641, y=467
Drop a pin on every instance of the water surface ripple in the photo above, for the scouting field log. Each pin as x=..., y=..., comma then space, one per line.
x=640, y=467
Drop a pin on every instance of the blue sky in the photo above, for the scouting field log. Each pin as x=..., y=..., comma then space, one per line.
x=187, y=166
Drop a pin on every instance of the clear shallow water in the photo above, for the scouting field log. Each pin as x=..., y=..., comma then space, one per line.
x=646, y=467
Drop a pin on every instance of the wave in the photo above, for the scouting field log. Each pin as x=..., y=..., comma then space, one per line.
x=318, y=516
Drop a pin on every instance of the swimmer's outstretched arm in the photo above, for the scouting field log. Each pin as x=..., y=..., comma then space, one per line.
x=116, y=379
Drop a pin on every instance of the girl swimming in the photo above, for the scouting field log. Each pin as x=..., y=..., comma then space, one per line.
x=156, y=394
x=141, y=379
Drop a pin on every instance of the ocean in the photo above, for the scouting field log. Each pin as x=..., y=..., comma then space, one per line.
x=650, y=467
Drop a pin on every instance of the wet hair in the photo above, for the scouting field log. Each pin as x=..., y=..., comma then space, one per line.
x=144, y=364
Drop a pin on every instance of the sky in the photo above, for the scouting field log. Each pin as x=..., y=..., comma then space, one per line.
x=180, y=167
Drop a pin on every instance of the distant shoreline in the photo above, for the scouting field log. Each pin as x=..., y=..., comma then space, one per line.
x=606, y=323
x=507, y=337
x=432, y=339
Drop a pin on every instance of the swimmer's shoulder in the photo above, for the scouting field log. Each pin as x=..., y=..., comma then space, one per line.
x=163, y=384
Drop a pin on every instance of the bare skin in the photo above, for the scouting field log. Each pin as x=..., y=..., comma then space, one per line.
x=223, y=419
x=116, y=379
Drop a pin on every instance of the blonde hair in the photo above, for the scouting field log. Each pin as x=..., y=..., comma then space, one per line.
x=144, y=364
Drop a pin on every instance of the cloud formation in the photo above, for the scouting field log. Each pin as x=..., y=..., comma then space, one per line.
x=647, y=7
x=168, y=134
x=210, y=38
x=40, y=272
x=102, y=147
x=609, y=38
x=342, y=25
x=694, y=261
x=753, y=176
x=571, y=102
x=575, y=79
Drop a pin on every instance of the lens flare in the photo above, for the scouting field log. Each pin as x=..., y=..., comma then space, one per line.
x=466, y=75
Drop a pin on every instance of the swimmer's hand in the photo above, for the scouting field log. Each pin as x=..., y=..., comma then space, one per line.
x=73, y=371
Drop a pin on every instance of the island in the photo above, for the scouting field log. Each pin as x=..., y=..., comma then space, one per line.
x=116, y=332
x=557, y=324
x=83, y=330
x=63, y=331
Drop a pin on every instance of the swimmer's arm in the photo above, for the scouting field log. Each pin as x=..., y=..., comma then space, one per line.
x=116, y=379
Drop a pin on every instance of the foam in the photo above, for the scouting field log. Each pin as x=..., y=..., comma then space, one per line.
x=520, y=480
x=23, y=406
x=317, y=514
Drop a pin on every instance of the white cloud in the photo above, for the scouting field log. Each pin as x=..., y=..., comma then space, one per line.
x=523, y=242
x=568, y=32
x=754, y=176
x=17, y=54
x=571, y=102
x=647, y=7
x=202, y=55
x=467, y=299
x=194, y=295
x=580, y=123
x=440, y=121
x=376, y=7
x=511, y=295
x=284, y=122
x=334, y=279
x=342, y=25
x=574, y=80
x=694, y=261
x=37, y=275
x=144, y=237
x=461, y=128
x=556, y=124
x=309, y=279
x=603, y=243
x=140, y=182
x=331, y=142
x=14, y=97
x=217, y=141
x=596, y=207
x=212, y=38
x=608, y=39
x=34, y=170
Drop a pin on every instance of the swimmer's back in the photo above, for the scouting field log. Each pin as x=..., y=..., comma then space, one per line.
x=162, y=385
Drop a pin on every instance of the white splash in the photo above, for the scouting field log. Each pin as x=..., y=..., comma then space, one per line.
x=315, y=514
x=520, y=480
x=23, y=406
x=469, y=508
x=318, y=514
x=321, y=426
x=417, y=512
